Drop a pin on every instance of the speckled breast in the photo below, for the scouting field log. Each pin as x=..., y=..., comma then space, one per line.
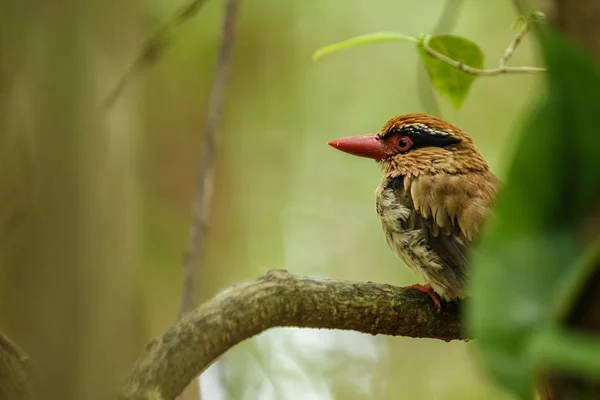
x=407, y=240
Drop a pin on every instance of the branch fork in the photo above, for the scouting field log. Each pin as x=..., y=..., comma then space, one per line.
x=501, y=69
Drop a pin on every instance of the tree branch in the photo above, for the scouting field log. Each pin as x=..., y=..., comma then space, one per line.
x=206, y=169
x=279, y=299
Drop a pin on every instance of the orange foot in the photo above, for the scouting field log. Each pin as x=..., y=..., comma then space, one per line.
x=428, y=290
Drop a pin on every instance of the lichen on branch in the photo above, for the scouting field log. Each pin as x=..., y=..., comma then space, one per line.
x=280, y=299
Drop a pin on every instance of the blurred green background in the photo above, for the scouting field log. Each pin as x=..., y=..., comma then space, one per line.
x=282, y=199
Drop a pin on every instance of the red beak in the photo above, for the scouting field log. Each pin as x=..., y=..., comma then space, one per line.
x=369, y=146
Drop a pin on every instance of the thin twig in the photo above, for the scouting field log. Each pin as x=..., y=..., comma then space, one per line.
x=444, y=24
x=205, y=181
x=204, y=184
x=152, y=49
x=476, y=71
x=514, y=44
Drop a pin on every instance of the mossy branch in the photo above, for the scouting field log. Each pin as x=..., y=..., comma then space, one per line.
x=280, y=299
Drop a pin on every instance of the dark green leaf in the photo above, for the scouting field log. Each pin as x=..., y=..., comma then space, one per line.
x=532, y=244
x=448, y=80
x=572, y=352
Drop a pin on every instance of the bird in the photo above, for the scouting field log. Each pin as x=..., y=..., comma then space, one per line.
x=435, y=194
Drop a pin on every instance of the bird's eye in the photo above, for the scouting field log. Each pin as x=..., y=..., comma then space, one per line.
x=404, y=144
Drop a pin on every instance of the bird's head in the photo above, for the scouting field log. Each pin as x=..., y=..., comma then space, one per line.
x=413, y=144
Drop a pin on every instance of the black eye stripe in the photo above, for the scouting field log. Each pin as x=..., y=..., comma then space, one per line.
x=423, y=135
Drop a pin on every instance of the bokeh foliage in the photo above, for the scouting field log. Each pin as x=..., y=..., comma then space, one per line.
x=533, y=257
x=529, y=268
x=283, y=199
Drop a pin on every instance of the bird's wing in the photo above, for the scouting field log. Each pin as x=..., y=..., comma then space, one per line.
x=449, y=209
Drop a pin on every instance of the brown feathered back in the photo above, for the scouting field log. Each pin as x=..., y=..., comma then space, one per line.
x=436, y=200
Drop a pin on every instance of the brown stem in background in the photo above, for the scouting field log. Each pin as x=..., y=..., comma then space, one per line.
x=279, y=299
x=579, y=20
x=204, y=186
x=205, y=181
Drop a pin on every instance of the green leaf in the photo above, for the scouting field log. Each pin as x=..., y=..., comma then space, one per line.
x=377, y=37
x=580, y=274
x=567, y=351
x=533, y=244
x=448, y=80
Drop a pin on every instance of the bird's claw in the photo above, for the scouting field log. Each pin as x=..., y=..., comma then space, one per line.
x=428, y=290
